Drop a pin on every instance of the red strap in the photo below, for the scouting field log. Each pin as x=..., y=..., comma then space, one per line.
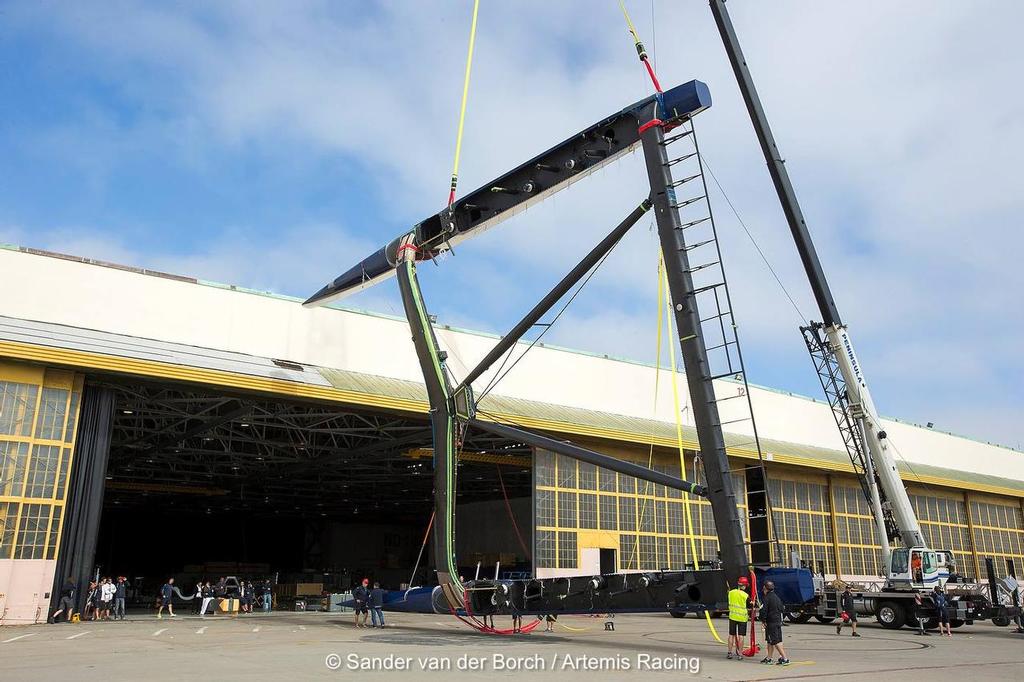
x=647, y=126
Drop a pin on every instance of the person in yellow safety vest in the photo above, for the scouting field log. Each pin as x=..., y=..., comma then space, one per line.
x=739, y=615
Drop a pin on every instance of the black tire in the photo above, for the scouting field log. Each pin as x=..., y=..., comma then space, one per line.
x=798, y=618
x=1001, y=621
x=932, y=623
x=825, y=620
x=678, y=614
x=891, y=615
x=956, y=623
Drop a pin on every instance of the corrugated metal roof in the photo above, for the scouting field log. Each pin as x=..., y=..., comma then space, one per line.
x=548, y=416
x=644, y=431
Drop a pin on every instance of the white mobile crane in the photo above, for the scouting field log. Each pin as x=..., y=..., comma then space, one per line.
x=911, y=568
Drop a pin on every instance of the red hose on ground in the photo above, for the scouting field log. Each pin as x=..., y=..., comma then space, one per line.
x=754, y=646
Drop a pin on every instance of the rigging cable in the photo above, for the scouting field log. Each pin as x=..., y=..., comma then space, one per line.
x=679, y=441
x=494, y=382
x=753, y=241
x=640, y=51
x=654, y=406
x=511, y=516
x=462, y=108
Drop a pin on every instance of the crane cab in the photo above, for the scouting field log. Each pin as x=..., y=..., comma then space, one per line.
x=919, y=568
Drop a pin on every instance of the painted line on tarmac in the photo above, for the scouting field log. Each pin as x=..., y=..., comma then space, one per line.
x=201, y=630
x=895, y=670
x=80, y=634
x=256, y=629
x=15, y=639
x=158, y=632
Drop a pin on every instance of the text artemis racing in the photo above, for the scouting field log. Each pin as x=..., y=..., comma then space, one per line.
x=527, y=663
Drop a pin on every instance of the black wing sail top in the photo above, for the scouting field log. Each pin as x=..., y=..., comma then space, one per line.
x=520, y=188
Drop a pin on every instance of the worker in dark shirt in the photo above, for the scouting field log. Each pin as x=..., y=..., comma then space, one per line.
x=771, y=615
x=66, y=605
x=166, y=596
x=120, y=593
x=848, y=611
x=360, y=596
x=376, y=605
x=941, y=611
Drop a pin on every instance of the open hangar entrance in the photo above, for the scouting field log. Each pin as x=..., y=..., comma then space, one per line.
x=201, y=484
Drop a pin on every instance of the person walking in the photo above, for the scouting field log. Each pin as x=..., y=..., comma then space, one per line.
x=268, y=597
x=107, y=591
x=377, y=605
x=771, y=615
x=360, y=595
x=207, y=596
x=120, y=594
x=66, y=605
x=739, y=616
x=197, y=598
x=849, y=611
x=919, y=615
x=940, y=601
x=166, y=597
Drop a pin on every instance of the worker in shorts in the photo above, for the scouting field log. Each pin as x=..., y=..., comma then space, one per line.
x=771, y=615
x=166, y=598
x=849, y=612
x=360, y=597
x=739, y=616
x=67, y=601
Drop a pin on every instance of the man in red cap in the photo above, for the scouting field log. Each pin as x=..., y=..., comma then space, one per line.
x=739, y=615
x=360, y=596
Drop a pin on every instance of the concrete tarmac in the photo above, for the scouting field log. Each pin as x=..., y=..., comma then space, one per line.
x=301, y=646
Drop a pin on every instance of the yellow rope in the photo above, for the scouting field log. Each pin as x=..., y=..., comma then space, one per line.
x=679, y=439
x=654, y=410
x=629, y=22
x=462, y=108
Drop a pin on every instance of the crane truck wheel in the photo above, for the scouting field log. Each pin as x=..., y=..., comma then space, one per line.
x=956, y=623
x=891, y=615
x=931, y=624
x=825, y=620
x=798, y=618
x=1001, y=621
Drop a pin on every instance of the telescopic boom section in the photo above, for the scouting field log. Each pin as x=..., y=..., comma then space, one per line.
x=862, y=408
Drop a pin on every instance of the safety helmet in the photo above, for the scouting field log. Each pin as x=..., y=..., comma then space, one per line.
x=742, y=580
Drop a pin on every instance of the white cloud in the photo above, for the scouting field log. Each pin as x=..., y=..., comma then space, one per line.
x=900, y=132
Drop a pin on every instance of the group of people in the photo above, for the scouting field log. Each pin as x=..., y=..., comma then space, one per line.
x=105, y=600
x=246, y=593
x=742, y=607
x=367, y=600
x=205, y=592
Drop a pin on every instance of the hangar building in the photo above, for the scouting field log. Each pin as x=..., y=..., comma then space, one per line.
x=156, y=425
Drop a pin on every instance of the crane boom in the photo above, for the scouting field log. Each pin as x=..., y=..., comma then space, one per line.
x=880, y=470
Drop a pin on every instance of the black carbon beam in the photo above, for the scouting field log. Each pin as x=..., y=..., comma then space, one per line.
x=584, y=455
x=695, y=358
x=445, y=438
x=522, y=187
x=687, y=590
x=552, y=297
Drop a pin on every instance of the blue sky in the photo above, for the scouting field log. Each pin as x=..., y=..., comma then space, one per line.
x=272, y=144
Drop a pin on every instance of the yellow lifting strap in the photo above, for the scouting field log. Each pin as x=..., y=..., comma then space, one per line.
x=654, y=410
x=462, y=108
x=662, y=285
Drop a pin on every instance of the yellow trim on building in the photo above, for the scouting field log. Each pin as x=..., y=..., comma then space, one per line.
x=83, y=360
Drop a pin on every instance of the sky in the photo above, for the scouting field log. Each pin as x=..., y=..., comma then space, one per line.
x=273, y=144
